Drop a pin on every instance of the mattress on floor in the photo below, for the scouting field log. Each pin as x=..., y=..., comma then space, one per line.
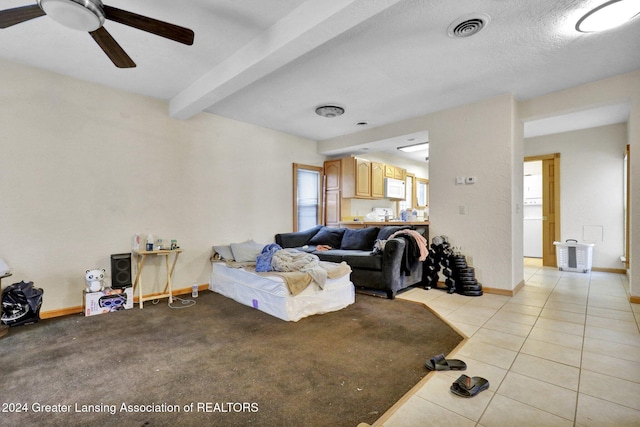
x=271, y=295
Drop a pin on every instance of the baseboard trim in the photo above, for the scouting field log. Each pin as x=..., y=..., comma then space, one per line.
x=77, y=310
x=498, y=291
x=60, y=312
x=609, y=270
x=505, y=292
x=495, y=291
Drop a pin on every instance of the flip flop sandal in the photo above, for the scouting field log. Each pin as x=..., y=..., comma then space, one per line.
x=439, y=363
x=466, y=386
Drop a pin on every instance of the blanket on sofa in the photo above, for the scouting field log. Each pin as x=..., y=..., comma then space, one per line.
x=415, y=249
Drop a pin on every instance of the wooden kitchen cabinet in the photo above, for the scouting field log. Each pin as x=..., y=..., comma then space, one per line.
x=356, y=178
x=389, y=171
x=332, y=172
x=333, y=206
x=395, y=172
x=377, y=180
x=332, y=195
x=351, y=178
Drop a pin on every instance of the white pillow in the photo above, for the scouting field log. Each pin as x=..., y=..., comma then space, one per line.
x=246, y=251
x=224, y=252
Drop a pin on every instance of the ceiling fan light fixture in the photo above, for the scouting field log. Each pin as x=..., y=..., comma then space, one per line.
x=414, y=147
x=329, y=111
x=608, y=15
x=83, y=15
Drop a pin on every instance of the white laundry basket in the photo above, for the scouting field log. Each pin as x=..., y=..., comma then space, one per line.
x=574, y=256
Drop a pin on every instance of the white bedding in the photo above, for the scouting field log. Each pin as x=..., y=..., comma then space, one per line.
x=271, y=295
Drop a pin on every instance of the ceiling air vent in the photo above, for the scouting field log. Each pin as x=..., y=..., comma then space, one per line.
x=467, y=26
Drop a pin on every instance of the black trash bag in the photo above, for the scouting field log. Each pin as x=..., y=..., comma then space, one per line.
x=21, y=304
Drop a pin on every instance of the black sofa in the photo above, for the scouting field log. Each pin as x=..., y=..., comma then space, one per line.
x=390, y=270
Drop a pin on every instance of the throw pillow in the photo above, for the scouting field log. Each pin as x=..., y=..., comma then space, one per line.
x=224, y=251
x=328, y=236
x=246, y=251
x=359, y=239
x=298, y=238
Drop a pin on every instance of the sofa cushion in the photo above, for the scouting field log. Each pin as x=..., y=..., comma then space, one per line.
x=386, y=232
x=363, y=259
x=355, y=258
x=360, y=239
x=333, y=255
x=298, y=238
x=328, y=236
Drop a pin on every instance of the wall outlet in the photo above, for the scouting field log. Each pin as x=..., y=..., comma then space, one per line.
x=462, y=210
x=459, y=180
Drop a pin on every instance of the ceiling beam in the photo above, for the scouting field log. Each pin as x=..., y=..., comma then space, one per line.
x=310, y=25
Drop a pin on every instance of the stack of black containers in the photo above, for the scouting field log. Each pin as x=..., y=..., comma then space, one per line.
x=460, y=277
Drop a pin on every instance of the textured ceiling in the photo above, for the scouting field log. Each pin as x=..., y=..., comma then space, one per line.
x=271, y=62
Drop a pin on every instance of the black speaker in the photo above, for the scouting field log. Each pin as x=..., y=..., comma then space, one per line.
x=121, y=271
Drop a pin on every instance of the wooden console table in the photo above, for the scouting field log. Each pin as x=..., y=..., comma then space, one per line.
x=141, y=256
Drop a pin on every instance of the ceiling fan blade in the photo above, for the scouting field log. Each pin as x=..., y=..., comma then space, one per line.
x=150, y=25
x=111, y=47
x=18, y=15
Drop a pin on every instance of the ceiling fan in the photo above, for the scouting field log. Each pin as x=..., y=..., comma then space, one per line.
x=89, y=16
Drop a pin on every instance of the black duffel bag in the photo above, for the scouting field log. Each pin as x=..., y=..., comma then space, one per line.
x=21, y=304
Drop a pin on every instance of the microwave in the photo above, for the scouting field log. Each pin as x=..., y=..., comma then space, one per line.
x=394, y=188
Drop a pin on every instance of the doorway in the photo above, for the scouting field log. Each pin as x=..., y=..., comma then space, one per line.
x=550, y=205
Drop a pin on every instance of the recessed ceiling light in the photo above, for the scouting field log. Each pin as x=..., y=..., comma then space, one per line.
x=329, y=111
x=414, y=147
x=608, y=15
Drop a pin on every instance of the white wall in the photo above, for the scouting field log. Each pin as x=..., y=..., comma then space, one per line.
x=477, y=140
x=83, y=168
x=591, y=187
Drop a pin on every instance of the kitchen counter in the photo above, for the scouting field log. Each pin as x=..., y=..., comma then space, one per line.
x=364, y=224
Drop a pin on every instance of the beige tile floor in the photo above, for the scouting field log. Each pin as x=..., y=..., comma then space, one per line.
x=564, y=351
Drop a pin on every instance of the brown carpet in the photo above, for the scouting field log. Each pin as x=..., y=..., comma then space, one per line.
x=236, y=365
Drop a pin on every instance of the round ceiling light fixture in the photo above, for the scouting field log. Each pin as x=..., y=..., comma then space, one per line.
x=329, y=111
x=608, y=15
x=83, y=15
x=468, y=25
